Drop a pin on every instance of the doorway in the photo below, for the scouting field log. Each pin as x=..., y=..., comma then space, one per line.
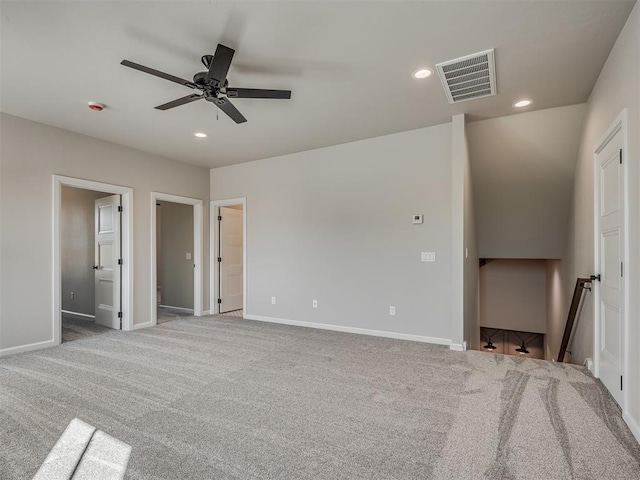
x=610, y=254
x=229, y=254
x=92, y=258
x=176, y=253
x=90, y=247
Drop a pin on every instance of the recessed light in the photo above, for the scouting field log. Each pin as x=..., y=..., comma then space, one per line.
x=200, y=135
x=422, y=73
x=522, y=103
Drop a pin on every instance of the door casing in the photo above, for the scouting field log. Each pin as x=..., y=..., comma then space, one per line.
x=126, y=194
x=197, y=252
x=214, y=235
x=620, y=124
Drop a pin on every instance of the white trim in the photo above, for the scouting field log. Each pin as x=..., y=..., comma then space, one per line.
x=356, y=330
x=180, y=309
x=77, y=314
x=28, y=348
x=633, y=425
x=206, y=312
x=138, y=326
x=198, y=228
x=213, y=239
x=127, y=248
x=457, y=347
x=619, y=124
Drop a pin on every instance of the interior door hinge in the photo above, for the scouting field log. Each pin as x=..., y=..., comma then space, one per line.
x=219, y=300
x=120, y=208
x=219, y=218
x=620, y=382
x=621, y=269
x=119, y=314
x=120, y=261
x=219, y=259
x=620, y=156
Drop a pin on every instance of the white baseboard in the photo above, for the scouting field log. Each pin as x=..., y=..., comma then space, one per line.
x=589, y=364
x=457, y=347
x=180, y=309
x=138, y=326
x=77, y=314
x=27, y=348
x=633, y=425
x=359, y=331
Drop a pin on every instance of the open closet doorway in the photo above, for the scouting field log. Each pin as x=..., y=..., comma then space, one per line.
x=176, y=240
x=92, y=251
x=229, y=252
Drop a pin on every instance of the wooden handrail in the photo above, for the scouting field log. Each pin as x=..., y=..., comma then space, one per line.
x=575, y=303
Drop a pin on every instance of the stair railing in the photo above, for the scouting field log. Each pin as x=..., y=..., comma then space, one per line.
x=573, y=311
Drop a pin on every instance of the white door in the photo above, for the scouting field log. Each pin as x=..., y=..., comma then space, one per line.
x=107, y=269
x=610, y=231
x=231, y=259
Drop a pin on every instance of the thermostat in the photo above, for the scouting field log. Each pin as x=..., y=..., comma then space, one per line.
x=416, y=219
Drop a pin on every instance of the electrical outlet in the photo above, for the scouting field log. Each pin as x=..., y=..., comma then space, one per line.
x=315, y=304
x=428, y=256
x=273, y=300
x=392, y=311
x=72, y=295
x=188, y=256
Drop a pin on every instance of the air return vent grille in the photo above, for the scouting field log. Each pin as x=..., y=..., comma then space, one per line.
x=468, y=78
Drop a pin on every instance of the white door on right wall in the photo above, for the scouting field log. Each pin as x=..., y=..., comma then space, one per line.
x=611, y=248
x=231, y=271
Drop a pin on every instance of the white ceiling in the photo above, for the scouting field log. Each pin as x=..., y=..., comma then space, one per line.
x=347, y=63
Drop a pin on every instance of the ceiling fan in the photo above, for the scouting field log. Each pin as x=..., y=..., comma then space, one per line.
x=213, y=84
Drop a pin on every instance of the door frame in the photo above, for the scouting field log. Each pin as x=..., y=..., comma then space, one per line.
x=126, y=194
x=620, y=124
x=213, y=248
x=198, y=218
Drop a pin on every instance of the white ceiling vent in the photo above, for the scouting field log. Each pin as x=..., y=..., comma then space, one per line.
x=470, y=77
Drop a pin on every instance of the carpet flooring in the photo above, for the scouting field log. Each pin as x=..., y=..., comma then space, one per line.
x=166, y=314
x=75, y=328
x=227, y=398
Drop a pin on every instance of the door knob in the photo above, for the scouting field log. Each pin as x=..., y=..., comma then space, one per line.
x=595, y=277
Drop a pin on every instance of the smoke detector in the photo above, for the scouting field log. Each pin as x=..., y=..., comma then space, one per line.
x=98, y=107
x=470, y=77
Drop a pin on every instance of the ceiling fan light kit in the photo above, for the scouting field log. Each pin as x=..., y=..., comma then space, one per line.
x=212, y=84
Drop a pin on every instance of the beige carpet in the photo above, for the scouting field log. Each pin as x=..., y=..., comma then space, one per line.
x=227, y=398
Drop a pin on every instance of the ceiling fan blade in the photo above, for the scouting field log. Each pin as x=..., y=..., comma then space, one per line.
x=181, y=101
x=227, y=107
x=158, y=73
x=257, y=93
x=220, y=64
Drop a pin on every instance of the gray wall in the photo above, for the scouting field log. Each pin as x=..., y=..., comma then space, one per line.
x=513, y=295
x=334, y=224
x=558, y=298
x=617, y=88
x=175, y=272
x=77, y=244
x=523, y=174
x=464, y=287
x=30, y=154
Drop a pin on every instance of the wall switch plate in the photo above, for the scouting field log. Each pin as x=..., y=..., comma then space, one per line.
x=416, y=219
x=392, y=311
x=273, y=300
x=315, y=304
x=188, y=256
x=72, y=295
x=428, y=257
